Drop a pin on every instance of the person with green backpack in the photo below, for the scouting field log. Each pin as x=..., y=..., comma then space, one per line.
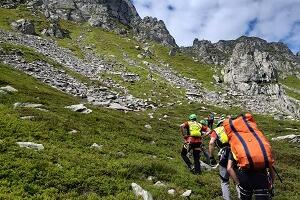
x=191, y=131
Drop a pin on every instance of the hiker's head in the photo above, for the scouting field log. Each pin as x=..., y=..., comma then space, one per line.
x=204, y=122
x=193, y=117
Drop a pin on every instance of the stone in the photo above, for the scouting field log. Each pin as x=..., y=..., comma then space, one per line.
x=292, y=138
x=27, y=105
x=8, y=89
x=140, y=56
x=207, y=167
x=173, y=52
x=2, y=92
x=279, y=117
x=79, y=108
x=27, y=117
x=96, y=146
x=187, y=193
x=148, y=126
x=73, y=131
x=145, y=62
x=117, y=106
x=171, y=192
x=129, y=77
x=151, y=178
x=54, y=30
x=31, y=145
x=23, y=26
x=159, y=184
x=217, y=79
x=121, y=154
x=140, y=192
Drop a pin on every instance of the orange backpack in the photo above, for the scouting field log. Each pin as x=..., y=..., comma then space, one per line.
x=250, y=147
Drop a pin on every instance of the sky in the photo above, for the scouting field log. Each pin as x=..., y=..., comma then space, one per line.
x=214, y=20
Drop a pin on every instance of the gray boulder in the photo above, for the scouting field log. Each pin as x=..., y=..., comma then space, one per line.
x=291, y=138
x=23, y=26
x=79, y=108
x=140, y=192
x=54, y=30
x=8, y=89
x=31, y=145
x=27, y=105
x=187, y=193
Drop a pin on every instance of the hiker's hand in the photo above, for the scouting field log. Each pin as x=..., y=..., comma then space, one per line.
x=212, y=161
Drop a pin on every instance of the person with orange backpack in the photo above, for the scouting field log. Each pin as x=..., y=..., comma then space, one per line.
x=191, y=131
x=251, y=159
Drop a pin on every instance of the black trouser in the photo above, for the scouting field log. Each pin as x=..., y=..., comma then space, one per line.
x=196, y=155
x=210, y=123
x=253, y=183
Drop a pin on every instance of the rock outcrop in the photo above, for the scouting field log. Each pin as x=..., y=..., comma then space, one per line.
x=9, y=3
x=153, y=29
x=107, y=14
x=220, y=53
x=23, y=26
x=54, y=30
x=251, y=67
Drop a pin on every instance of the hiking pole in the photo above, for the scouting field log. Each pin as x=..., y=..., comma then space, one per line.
x=277, y=174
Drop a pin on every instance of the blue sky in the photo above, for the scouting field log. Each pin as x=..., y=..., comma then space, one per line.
x=272, y=20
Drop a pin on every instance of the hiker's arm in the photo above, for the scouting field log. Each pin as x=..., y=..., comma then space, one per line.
x=206, y=132
x=232, y=172
x=181, y=129
x=211, y=146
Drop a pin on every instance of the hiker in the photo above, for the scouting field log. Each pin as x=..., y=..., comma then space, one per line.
x=191, y=132
x=210, y=120
x=219, y=138
x=251, y=161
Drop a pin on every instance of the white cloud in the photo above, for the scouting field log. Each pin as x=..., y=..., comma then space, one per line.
x=273, y=20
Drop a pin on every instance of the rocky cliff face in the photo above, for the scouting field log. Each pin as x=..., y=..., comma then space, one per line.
x=220, y=53
x=107, y=14
x=252, y=66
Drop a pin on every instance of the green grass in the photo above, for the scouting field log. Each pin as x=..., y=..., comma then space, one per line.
x=70, y=41
x=293, y=94
x=156, y=89
x=69, y=169
x=292, y=82
x=9, y=15
x=187, y=66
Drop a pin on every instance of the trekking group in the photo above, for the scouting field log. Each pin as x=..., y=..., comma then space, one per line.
x=244, y=153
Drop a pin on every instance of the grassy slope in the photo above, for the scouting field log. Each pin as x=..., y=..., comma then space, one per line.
x=100, y=174
x=294, y=83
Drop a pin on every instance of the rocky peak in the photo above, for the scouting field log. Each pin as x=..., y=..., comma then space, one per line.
x=153, y=29
x=107, y=14
x=82, y=10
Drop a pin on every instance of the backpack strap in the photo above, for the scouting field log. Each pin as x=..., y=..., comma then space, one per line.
x=262, y=147
x=243, y=143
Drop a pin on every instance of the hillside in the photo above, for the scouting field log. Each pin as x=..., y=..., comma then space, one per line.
x=139, y=87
